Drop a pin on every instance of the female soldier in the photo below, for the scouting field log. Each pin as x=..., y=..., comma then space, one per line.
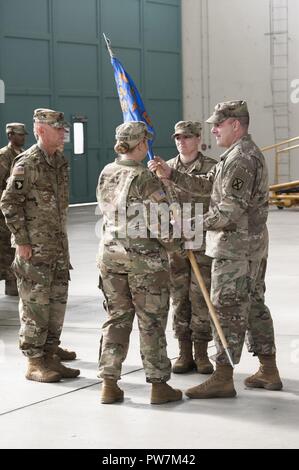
x=133, y=267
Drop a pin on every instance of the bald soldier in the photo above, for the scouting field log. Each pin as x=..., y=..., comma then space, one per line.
x=16, y=133
x=191, y=320
x=35, y=204
x=237, y=240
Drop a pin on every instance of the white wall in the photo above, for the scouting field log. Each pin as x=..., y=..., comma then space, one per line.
x=234, y=63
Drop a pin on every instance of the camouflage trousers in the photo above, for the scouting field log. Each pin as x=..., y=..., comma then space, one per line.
x=260, y=331
x=7, y=253
x=145, y=295
x=237, y=293
x=43, y=291
x=191, y=319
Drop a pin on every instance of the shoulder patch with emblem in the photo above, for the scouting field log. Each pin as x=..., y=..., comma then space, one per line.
x=238, y=180
x=18, y=184
x=237, y=184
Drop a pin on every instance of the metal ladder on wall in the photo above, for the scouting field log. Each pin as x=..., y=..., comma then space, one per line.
x=279, y=50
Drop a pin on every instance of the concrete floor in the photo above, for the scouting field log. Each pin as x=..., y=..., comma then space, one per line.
x=69, y=414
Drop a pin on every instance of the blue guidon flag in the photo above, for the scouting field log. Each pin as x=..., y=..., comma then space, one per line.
x=130, y=100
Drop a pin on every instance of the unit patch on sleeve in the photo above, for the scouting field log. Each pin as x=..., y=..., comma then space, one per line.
x=237, y=184
x=19, y=184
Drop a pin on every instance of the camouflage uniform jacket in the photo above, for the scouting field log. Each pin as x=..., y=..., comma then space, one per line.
x=127, y=188
x=236, y=220
x=35, y=203
x=200, y=166
x=7, y=156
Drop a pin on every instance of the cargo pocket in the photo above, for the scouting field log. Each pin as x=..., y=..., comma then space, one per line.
x=156, y=301
x=24, y=269
x=229, y=283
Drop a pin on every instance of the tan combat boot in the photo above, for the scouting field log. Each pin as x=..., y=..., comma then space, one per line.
x=53, y=362
x=219, y=385
x=267, y=376
x=11, y=287
x=111, y=393
x=65, y=354
x=185, y=362
x=204, y=366
x=38, y=371
x=164, y=393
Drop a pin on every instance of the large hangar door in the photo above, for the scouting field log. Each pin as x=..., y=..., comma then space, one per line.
x=52, y=54
x=77, y=77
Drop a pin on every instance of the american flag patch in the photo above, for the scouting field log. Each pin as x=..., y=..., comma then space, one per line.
x=18, y=170
x=158, y=195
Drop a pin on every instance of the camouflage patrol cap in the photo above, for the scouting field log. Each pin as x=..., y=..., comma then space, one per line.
x=188, y=128
x=132, y=132
x=16, y=128
x=228, y=109
x=51, y=117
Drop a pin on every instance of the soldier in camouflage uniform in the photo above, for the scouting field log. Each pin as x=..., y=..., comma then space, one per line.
x=191, y=319
x=16, y=133
x=237, y=240
x=133, y=267
x=35, y=204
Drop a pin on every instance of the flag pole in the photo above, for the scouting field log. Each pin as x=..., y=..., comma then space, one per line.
x=211, y=307
x=108, y=45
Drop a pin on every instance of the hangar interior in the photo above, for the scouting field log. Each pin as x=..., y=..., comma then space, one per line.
x=184, y=56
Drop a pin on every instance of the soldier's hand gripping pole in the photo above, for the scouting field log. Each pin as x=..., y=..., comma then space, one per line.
x=211, y=307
